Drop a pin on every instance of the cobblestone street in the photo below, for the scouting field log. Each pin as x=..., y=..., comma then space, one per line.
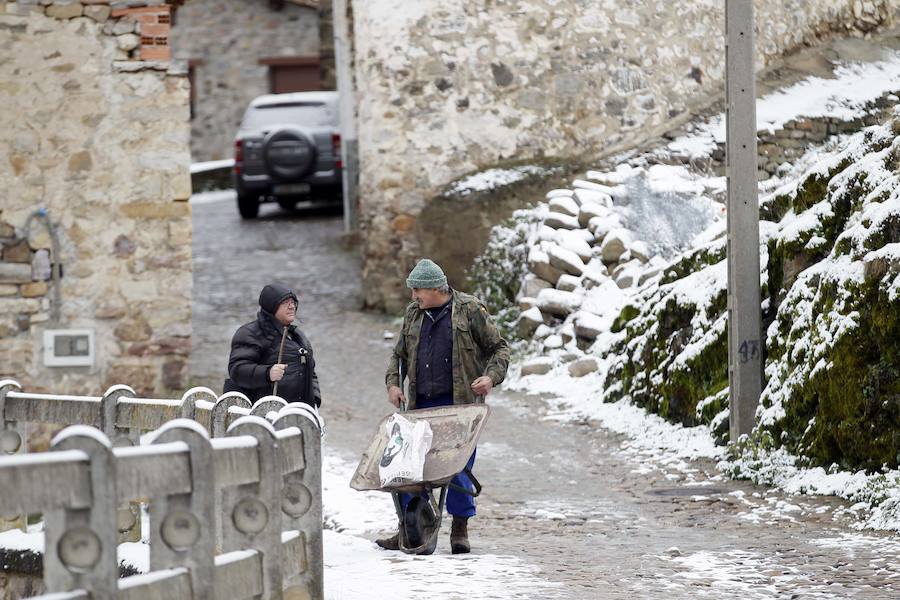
x=596, y=519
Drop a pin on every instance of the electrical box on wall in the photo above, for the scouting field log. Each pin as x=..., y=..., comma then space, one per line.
x=69, y=347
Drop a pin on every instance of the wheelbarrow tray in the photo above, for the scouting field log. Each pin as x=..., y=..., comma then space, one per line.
x=455, y=430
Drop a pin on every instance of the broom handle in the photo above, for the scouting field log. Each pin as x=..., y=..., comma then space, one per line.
x=280, y=353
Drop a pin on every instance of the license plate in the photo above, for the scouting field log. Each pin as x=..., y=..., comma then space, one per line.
x=292, y=188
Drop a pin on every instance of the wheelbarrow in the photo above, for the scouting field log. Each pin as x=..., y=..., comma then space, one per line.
x=455, y=431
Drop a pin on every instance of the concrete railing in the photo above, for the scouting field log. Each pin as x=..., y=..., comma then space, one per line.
x=119, y=413
x=238, y=516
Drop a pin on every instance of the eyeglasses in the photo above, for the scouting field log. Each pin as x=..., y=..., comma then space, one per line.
x=289, y=304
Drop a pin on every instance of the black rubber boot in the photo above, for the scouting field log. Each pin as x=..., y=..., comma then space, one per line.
x=459, y=536
x=390, y=543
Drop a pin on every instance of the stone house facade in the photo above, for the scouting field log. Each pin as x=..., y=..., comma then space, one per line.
x=448, y=88
x=237, y=50
x=95, y=224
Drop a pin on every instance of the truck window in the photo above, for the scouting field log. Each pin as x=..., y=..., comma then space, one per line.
x=308, y=114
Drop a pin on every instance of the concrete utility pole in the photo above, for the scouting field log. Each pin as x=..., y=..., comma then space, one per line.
x=343, y=54
x=745, y=343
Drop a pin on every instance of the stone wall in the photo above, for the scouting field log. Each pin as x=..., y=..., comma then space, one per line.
x=327, y=64
x=449, y=87
x=99, y=139
x=779, y=148
x=225, y=39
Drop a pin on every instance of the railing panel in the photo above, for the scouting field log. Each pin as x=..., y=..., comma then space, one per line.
x=239, y=575
x=47, y=481
x=169, y=584
x=158, y=470
x=146, y=414
x=291, y=442
x=49, y=408
x=235, y=461
x=294, y=553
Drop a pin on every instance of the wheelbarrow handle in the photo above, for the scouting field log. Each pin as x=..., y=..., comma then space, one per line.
x=398, y=505
x=475, y=483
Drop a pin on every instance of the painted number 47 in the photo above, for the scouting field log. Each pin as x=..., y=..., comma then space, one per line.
x=749, y=350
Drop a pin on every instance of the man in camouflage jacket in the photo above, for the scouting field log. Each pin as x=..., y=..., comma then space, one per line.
x=452, y=353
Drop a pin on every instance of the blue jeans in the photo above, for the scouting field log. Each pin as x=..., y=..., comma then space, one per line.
x=458, y=504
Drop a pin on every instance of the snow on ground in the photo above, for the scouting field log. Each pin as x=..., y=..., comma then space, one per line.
x=16, y=539
x=875, y=497
x=354, y=565
x=649, y=436
x=854, y=542
x=730, y=574
x=135, y=554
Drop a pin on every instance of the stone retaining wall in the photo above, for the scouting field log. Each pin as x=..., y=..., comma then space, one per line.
x=452, y=87
x=96, y=132
x=777, y=149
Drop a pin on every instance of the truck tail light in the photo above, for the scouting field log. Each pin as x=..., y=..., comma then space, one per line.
x=336, y=150
x=238, y=155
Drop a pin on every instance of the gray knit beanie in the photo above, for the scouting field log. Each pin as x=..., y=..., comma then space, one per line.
x=426, y=275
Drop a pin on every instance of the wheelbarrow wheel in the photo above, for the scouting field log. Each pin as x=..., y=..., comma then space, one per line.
x=420, y=527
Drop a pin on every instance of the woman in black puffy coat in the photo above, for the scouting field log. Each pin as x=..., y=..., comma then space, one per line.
x=253, y=365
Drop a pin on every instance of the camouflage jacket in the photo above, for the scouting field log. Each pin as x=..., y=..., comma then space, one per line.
x=478, y=349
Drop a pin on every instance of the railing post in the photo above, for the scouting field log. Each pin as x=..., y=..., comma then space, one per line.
x=219, y=419
x=109, y=411
x=267, y=404
x=182, y=531
x=81, y=542
x=128, y=519
x=218, y=424
x=302, y=498
x=252, y=512
x=190, y=397
x=12, y=441
x=12, y=436
x=189, y=405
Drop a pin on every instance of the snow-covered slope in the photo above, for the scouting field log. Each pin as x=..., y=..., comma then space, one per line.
x=634, y=299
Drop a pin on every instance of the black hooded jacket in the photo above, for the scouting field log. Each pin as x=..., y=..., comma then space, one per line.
x=254, y=349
